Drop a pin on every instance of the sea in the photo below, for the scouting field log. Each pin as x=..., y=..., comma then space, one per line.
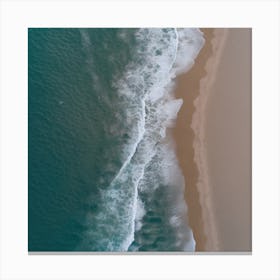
x=103, y=175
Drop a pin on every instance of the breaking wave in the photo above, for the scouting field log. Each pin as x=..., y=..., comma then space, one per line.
x=143, y=206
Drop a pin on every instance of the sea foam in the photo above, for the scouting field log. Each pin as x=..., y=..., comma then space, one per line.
x=147, y=193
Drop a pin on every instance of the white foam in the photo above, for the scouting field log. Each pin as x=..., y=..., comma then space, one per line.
x=139, y=214
x=149, y=108
x=163, y=108
x=190, y=42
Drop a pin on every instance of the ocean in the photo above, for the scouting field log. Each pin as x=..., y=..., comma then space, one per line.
x=102, y=169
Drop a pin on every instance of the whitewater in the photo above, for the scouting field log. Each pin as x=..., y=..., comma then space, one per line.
x=145, y=199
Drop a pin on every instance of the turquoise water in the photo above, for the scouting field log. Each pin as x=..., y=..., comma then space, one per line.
x=102, y=173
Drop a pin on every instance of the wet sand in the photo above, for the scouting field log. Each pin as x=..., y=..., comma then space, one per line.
x=188, y=89
x=204, y=91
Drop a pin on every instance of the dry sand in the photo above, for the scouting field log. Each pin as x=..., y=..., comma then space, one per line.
x=216, y=159
x=228, y=140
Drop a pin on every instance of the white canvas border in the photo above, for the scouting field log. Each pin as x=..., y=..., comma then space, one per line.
x=17, y=16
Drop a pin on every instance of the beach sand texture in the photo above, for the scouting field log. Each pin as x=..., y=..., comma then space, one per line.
x=213, y=136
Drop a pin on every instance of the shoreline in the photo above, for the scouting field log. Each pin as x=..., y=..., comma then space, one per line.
x=194, y=88
x=199, y=125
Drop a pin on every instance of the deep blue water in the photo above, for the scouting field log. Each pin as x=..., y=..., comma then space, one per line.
x=102, y=174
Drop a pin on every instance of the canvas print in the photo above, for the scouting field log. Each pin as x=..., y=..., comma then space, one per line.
x=139, y=140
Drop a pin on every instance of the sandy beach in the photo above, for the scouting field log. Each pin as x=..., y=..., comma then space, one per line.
x=213, y=141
